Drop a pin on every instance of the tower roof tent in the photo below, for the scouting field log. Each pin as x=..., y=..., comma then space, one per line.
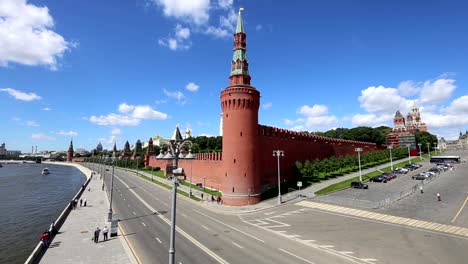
x=177, y=136
x=398, y=114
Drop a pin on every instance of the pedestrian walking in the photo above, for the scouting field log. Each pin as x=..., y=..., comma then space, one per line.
x=96, y=234
x=75, y=203
x=421, y=189
x=105, y=231
x=438, y=197
x=81, y=202
x=201, y=196
x=84, y=202
x=212, y=198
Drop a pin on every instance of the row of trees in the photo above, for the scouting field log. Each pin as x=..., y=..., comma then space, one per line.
x=333, y=166
x=376, y=135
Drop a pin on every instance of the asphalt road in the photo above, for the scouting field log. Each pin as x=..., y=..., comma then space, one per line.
x=204, y=236
x=453, y=188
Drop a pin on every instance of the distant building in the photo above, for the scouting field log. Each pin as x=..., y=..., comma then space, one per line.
x=403, y=130
x=70, y=152
x=3, y=150
x=99, y=147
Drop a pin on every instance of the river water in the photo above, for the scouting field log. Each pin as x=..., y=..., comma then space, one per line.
x=29, y=202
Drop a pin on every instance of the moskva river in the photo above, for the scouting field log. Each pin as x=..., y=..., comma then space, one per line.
x=29, y=202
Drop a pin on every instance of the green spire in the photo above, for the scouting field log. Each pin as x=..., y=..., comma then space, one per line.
x=398, y=114
x=240, y=24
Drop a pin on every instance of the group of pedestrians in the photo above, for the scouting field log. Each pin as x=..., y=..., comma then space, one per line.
x=46, y=237
x=74, y=203
x=439, y=198
x=105, y=232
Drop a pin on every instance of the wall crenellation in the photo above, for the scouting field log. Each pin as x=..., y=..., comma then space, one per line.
x=268, y=131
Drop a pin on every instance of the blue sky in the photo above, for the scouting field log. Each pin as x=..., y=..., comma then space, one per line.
x=126, y=70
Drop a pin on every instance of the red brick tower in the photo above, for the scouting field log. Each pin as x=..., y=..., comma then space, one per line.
x=70, y=152
x=240, y=102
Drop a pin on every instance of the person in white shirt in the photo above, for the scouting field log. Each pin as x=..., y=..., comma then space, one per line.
x=105, y=231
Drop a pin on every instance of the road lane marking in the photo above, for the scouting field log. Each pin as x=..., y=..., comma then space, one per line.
x=368, y=259
x=128, y=205
x=303, y=259
x=459, y=211
x=158, y=240
x=327, y=246
x=258, y=239
x=270, y=213
x=178, y=229
x=346, y=252
x=205, y=227
x=134, y=213
x=143, y=223
x=184, y=215
x=389, y=219
x=122, y=231
x=239, y=246
x=166, y=204
x=125, y=199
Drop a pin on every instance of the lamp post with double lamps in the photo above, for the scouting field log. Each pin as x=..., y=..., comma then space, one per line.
x=428, y=149
x=420, y=153
x=391, y=161
x=409, y=153
x=435, y=148
x=358, y=150
x=278, y=154
x=174, y=153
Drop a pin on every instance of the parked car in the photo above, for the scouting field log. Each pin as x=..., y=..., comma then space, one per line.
x=430, y=173
x=379, y=178
x=359, y=185
x=409, y=167
x=416, y=165
x=389, y=176
x=420, y=176
x=401, y=170
x=435, y=169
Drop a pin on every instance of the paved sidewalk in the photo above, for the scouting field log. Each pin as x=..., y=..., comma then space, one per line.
x=74, y=242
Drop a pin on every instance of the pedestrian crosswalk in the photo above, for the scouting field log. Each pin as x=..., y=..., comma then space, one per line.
x=443, y=228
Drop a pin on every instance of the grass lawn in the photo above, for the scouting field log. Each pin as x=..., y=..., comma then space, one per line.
x=365, y=177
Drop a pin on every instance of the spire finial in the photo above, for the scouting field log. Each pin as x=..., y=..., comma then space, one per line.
x=240, y=24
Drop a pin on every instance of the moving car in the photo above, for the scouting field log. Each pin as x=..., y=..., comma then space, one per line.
x=359, y=185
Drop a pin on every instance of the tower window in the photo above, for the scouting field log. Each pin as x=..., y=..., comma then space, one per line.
x=232, y=189
x=241, y=133
x=234, y=161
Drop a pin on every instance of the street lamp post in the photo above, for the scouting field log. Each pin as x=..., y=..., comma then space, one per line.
x=278, y=154
x=409, y=153
x=358, y=150
x=435, y=148
x=174, y=154
x=109, y=215
x=428, y=149
x=391, y=161
x=420, y=154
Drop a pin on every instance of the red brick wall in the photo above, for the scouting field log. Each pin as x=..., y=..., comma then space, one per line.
x=205, y=169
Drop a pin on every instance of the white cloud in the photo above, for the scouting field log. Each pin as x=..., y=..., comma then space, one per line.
x=179, y=96
x=114, y=120
x=67, y=133
x=146, y=112
x=293, y=122
x=225, y=4
x=125, y=108
x=408, y=88
x=16, y=119
x=371, y=120
x=458, y=106
x=46, y=109
x=160, y=101
x=192, y=87
x=26, y=35
x=19, y=95
x=182, y=32
x=320, y=122
x=445, y=121
x=180, y=41
x=258, y=27
x=116, y=131
x=437, y=91
x=31, y=123
x=383, y=100
x=315, y=110
x=218, y=32
x=267, y=105
x=131, y=116
x=42, y=136
x=196, y=11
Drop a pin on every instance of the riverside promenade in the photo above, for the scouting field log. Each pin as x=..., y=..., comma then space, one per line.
x=74, y=244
